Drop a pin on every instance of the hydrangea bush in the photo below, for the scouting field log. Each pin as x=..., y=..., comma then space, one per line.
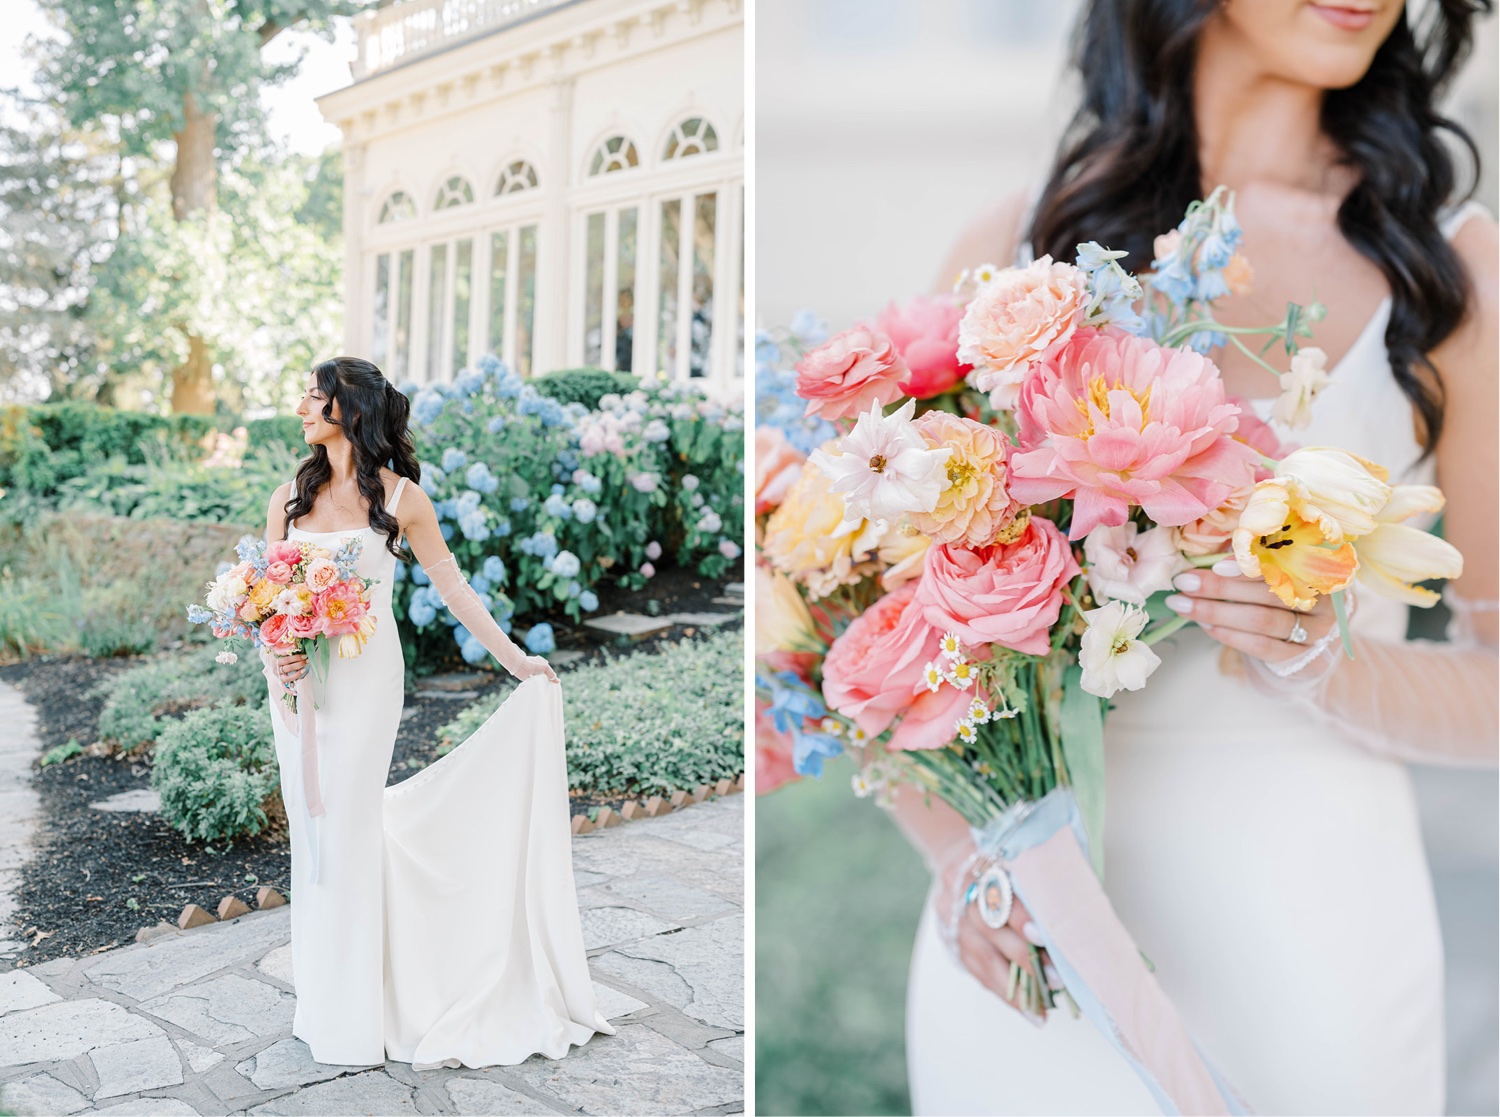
x=541, y=500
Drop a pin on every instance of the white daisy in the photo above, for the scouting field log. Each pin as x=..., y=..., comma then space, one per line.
x=961, y=674
x=950, y=646
x=966, y=732
x=933, y=676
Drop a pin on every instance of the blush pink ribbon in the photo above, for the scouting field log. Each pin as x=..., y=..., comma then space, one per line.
x=304, y=725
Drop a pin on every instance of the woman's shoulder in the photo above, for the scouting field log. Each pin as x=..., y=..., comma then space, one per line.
x=991, y=237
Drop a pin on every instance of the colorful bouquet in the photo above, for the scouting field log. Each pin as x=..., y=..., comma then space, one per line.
x=291, y=597
x=969, y=514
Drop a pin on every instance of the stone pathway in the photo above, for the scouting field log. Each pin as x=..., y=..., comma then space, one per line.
x=19, y=806
x=200, y=1022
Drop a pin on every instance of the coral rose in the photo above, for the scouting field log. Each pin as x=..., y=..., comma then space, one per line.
x=873, y=674
x=305, y=626
x=1113, y=420
x=925, y=333
x=975, y=504
x=1017, y=317
x=849, y=371
x=276, y=634
x=1008, y=594
x=278, y=572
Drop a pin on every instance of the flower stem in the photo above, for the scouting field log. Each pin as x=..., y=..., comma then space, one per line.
x=1165, y=629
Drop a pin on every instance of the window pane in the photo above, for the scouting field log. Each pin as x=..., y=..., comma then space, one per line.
x=625, y=292
x=666, y=335
x=702, y=335
x=380, y=339
x=437, y=297
x=405, y=273
x=499, y=253
x=525, y=299
x=463, y=263
x=593, y=292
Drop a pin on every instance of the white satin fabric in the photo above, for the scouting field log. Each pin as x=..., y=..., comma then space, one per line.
x=444, y=927
x=1272, y=869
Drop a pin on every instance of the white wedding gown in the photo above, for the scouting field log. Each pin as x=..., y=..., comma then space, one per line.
x=1272, y=869
x=443, y=927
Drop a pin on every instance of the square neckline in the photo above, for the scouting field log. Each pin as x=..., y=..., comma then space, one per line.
x=395, y=500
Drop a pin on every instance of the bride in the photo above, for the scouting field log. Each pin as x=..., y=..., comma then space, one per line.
x=1261, y=838
x=434, y=922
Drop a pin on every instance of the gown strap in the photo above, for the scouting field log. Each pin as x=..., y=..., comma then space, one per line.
x=396, y=495
x=1455, y=219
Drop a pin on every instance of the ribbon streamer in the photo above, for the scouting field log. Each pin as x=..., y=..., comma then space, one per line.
x=1042, y=844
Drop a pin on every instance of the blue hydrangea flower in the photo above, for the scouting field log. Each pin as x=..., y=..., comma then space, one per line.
x=471, y=649
x=541, y=544
x=427, y=406
x=481, y=479
x=519, y=503
x=689, y=482
x=466, y=503
x=468, y=383
x=540, y=639
x=419, y=576
x=432, y=477
x=588, y=600
x=473, y=525
x=584, y=510
x=408, y=388
x=656, y=431
x=574, y=588
x=508, y=385
x=420, y=612
x=588, y=482
x=566, y=565
x=496, y=424
x=490, y=365
x=502, y=529
x=447, y=530
x=557, y=505
x=453, y=459
x=399, y=574
x=494, y=569
x=480, y=585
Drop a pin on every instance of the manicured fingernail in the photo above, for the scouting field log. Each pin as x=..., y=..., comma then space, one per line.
x=1033, y=935
x=1227, y=568
x=1189, y=582
x=1054, y=979
x=1179, y=604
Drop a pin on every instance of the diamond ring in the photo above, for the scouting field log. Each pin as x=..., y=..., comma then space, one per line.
x=1298, y=633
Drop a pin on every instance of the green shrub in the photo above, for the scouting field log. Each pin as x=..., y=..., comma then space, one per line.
x=584, y=385
x=279, y=432
x=214, y=770
x=646, y=723
x=30, y=617
x=141, y=702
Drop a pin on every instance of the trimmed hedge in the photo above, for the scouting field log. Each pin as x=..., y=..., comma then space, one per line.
x=584, y=385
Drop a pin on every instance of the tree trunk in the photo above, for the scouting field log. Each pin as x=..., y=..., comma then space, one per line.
x=195, y=181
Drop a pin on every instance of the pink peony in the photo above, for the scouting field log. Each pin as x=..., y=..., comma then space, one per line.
x=925, y=333
x=1008, y=594
x=1015, y=319
x=873, y=674
x=843, y=376
x=1113, y=420
x=277, y=635
x=278, y=572
x=1259, y=435
x=777, y=464
x=284, y=550
x=340, y=608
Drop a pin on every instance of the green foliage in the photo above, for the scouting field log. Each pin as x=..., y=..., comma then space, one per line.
x=584, y=385
x=140, y=703
x=30, y=619
x=281, y=432
x=646, y=723
x=214, y=770
x=58, y=754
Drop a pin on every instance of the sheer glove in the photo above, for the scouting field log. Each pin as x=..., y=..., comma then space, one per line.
x=470, y=610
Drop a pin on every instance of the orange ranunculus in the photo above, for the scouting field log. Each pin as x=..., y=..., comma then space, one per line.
x=1292, y=545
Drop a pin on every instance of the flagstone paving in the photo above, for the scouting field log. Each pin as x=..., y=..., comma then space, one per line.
x=199, y=1022
x=19, y=806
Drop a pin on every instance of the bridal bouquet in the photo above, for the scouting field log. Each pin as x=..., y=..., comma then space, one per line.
x=968, y=516
x=291, y=597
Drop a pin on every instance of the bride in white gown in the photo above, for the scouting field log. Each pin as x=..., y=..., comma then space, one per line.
x=433, y=922
x=1261, y=837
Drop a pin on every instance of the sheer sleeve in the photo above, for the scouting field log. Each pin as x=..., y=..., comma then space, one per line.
x=1425, y=701
x=469, y=608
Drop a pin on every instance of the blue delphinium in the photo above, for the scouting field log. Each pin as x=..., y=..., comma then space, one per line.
x=540, y=639
x=199, y=614
x=808, y=328
x=792, y=704
x=1113, y=290
x=778, y=405
x=454, y=459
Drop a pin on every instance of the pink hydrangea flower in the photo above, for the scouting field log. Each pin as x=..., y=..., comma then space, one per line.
x=1112, y=420
x=849, y=371
x=925, y=333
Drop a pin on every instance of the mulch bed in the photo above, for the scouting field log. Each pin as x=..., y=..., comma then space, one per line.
x=89, y=865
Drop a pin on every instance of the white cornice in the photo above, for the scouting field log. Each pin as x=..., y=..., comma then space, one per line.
x=556, y=46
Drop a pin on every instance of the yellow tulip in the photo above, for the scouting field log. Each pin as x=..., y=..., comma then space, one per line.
x=1394, y=557
x=782, y=622
x=1293, y=546
x=1342, y=491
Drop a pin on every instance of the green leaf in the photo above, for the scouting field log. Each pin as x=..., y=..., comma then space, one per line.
x=1081, y=721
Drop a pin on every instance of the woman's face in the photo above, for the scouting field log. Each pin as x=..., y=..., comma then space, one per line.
x=1328, y=44
x=315, y=429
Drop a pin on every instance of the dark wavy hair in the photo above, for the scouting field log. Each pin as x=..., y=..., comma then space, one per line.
x=374, y=416
x=1128, y=164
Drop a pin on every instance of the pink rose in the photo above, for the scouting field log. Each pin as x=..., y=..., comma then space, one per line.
x=1008, y=594
x=925, y=333
x=777, y=464
x=849, y=371
x=304, y=626
x=276, y=633
x=1016, y=319
x=873, y=674
x=773, y=753
x=278, y=572
x=249, y=611
x=284, y=551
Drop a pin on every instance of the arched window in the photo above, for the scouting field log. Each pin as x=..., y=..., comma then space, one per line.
x=615, y=154
x=455, y=192
x=517, y=176
x=693, y=136
x=398, y=207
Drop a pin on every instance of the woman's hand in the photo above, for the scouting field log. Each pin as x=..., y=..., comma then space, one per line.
x=536, y=665
x=1244, y=614
x=986, y=953
x=290, y=668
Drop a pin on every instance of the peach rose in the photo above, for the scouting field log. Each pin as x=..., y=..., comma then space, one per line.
x=276, y=634
x=777, y=464
x=975, y=505
x=321, y=573
x=1008, y=594
x=1015, y=319
x=873, y=674
x=843, y=376
x=305, y=626
x=278, y=572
